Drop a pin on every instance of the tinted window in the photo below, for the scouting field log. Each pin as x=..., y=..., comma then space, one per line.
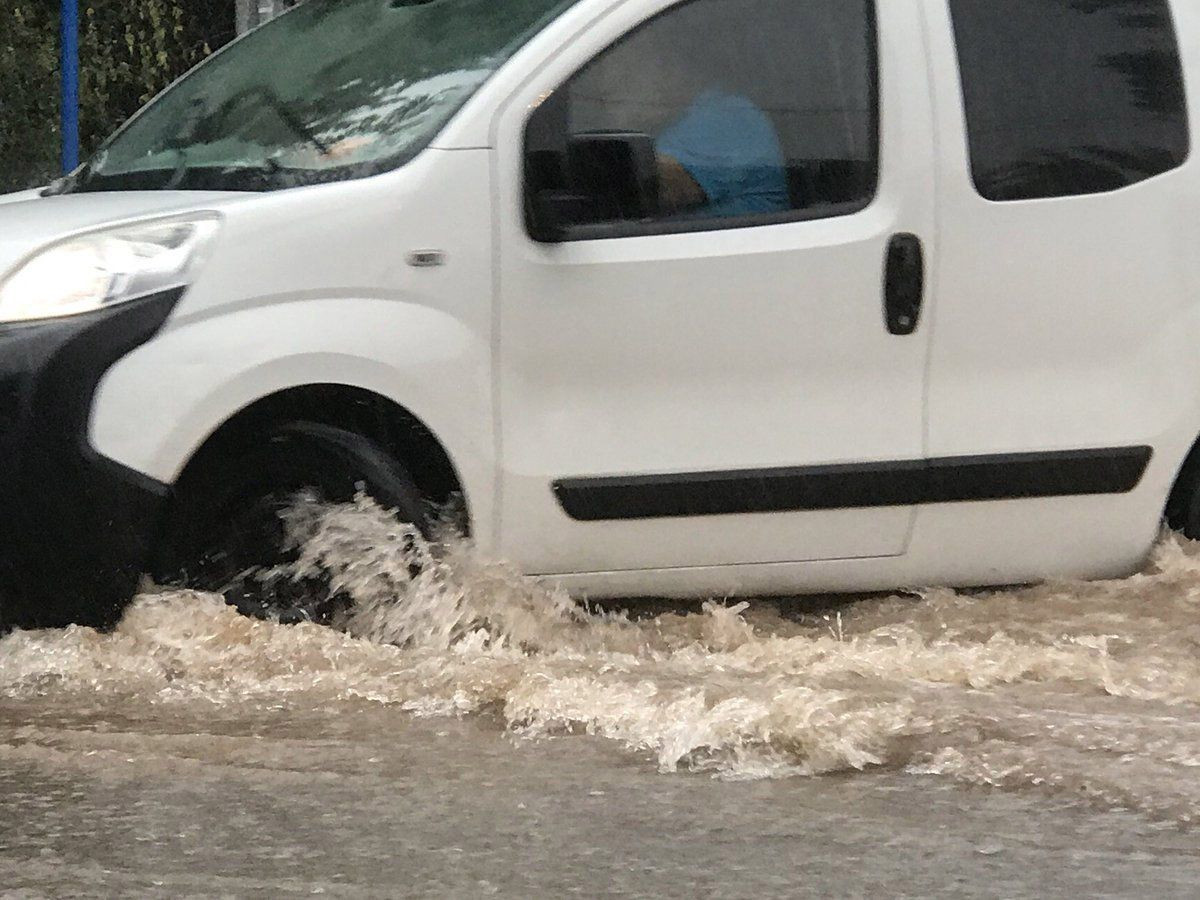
x=1067, y=97
x=715, y=112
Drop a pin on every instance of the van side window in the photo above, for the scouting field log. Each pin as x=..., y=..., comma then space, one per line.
x=1069, y=97
x=713, y=114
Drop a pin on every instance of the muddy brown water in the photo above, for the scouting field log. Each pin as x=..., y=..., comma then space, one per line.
x=467, y=733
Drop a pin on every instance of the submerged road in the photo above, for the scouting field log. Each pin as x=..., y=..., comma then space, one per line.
x=468, y=734
x=358, y=804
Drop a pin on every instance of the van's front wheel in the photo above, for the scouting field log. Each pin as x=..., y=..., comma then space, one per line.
x=227, y=527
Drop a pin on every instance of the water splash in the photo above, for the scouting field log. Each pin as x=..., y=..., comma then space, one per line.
x=1084, y=689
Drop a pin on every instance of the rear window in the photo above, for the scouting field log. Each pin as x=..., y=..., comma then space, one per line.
x=1069, y=97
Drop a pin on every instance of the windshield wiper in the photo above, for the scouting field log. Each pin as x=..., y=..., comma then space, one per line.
x=281, y=109
x=291, y=121
x=67, y=183
x=266, y=170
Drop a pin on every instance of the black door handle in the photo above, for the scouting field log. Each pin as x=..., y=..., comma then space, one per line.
x=904, y=284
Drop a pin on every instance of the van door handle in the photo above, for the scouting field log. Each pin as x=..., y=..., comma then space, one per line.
x=904, y=284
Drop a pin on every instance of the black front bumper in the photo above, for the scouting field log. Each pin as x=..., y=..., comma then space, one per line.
x=76, y=529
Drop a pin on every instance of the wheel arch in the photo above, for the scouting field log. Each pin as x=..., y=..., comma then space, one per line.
x=205, y=382
x=359, y=410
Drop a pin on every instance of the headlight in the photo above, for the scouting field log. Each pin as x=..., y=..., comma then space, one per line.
x=96, y=270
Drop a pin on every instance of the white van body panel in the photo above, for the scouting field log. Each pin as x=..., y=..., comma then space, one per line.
x=730, y=350
x=1080, y=311
x=331, y=298
x=962, y=545
x=1063, y=323
x=20, y=196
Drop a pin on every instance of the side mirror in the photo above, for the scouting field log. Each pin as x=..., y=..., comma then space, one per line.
x=552, y=213
x=609, y=176
x=619, y=169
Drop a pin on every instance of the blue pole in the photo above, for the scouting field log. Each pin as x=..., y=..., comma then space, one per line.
x=70, y=85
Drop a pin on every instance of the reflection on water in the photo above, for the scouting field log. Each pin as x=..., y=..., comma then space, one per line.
x=1076, y=689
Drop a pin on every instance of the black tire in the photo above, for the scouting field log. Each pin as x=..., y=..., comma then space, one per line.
x=226, y=527
x=1183, y=506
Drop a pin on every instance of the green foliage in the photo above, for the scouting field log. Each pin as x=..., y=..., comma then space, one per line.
x=28, y=100
x=129, y=51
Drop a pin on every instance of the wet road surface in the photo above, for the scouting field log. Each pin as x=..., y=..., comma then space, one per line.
x=364, y=804
x=467, y=734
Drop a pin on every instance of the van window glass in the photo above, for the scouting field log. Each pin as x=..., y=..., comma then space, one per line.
x=715, y=113
x=1069, y=97
x=331, y=90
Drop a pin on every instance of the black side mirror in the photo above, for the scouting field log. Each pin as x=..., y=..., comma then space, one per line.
x=552, y=213
x=609, y=176
x=619, y=168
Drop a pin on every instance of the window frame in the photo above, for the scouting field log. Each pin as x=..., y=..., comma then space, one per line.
x=975, y=174
x=657, y=228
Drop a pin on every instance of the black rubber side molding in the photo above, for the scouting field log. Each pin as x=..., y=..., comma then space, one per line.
x=965, y=479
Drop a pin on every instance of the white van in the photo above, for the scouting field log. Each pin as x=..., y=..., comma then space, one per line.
x=681, y=298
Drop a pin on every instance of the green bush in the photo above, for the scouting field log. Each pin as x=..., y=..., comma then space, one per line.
x=128, y=52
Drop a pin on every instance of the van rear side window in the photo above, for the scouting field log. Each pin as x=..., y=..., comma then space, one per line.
x=1069, y=97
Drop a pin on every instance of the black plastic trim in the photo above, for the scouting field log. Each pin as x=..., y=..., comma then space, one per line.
x=76, y=528
x=857, y=486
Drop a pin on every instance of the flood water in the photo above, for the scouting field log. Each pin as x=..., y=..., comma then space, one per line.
x=465, y=733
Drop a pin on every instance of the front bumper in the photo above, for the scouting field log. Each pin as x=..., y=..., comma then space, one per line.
x=76, y=529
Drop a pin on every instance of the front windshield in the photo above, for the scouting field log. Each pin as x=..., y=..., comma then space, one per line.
x=333, y=89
